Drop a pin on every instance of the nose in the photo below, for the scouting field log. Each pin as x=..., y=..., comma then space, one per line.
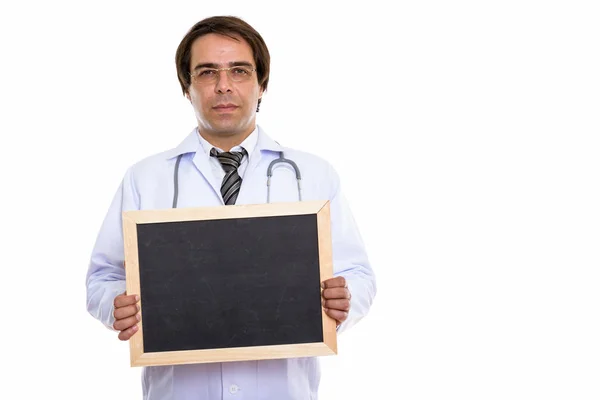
x=223, y=84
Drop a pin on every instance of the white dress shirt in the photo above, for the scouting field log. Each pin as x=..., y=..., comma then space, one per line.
x=249, y=144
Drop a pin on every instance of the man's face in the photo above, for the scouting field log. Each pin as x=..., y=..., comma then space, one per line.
x=223, y=107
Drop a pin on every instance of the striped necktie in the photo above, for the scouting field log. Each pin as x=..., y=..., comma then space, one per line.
x=230, y=161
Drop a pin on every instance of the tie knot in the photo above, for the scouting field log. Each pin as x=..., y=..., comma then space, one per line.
x=229, y=159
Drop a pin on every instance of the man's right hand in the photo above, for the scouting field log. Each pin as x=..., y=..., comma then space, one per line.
x=126, y=315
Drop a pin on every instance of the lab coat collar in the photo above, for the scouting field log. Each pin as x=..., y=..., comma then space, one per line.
x=265, y=143
x=191, y=144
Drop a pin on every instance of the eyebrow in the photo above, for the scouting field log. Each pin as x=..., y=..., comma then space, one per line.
x=231, y=64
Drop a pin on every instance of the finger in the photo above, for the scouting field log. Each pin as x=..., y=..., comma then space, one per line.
x=125, y=300
x=126, y=311
x=338, y=315
x=336, y=293
x=338, y=281
x=127, y=334
x=126, y=323
x=340, y=304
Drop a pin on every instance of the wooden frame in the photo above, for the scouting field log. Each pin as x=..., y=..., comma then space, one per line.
x=132, y=218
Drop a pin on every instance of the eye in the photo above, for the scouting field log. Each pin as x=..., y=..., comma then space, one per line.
x=240, y=71
x=207, y=72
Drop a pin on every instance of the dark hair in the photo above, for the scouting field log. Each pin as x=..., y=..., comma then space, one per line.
x=229, y=26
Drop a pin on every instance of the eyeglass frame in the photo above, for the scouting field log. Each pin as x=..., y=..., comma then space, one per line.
x=226, y=69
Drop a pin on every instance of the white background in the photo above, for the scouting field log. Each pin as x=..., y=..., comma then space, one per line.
x=484, y=116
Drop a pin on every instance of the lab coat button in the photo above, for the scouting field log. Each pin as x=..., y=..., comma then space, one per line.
x=233, y=389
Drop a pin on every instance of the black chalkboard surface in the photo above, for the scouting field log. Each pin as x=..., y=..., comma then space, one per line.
x=229, y=283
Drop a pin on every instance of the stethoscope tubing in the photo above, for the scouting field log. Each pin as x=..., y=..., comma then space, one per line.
x=270, y=169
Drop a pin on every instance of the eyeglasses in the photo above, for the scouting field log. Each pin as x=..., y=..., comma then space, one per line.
x=239, y=73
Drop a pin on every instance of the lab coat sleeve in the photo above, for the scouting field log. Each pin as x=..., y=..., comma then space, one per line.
x=105, y=278
x=350, y=258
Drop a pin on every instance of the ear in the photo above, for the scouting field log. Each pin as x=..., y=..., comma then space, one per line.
x=187, y=95
x=260, y=94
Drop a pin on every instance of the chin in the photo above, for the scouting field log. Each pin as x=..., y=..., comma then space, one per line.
x=226, y=128
x=229, y=125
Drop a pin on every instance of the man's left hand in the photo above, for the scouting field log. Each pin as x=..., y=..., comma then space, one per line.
x=336, y=298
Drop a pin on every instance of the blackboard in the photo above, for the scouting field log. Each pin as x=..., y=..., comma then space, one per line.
x=229, y=283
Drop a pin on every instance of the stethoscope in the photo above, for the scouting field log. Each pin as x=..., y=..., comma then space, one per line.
x=270, y=169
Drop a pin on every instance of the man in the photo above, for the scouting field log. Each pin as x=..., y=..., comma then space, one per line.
x=223, y=68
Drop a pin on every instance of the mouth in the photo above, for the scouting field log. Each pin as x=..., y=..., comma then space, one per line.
x=225, y=107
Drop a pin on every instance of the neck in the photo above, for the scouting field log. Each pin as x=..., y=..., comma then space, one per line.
x=223, y=140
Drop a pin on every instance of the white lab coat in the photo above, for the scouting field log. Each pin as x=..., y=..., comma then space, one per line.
x=149, y=185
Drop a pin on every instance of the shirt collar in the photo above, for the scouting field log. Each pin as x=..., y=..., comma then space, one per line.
x=249, y=144
x=193, y=143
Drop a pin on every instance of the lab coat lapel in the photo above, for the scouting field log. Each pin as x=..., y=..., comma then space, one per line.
x=191, y=144
x=255, y=180
x=203, y=165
